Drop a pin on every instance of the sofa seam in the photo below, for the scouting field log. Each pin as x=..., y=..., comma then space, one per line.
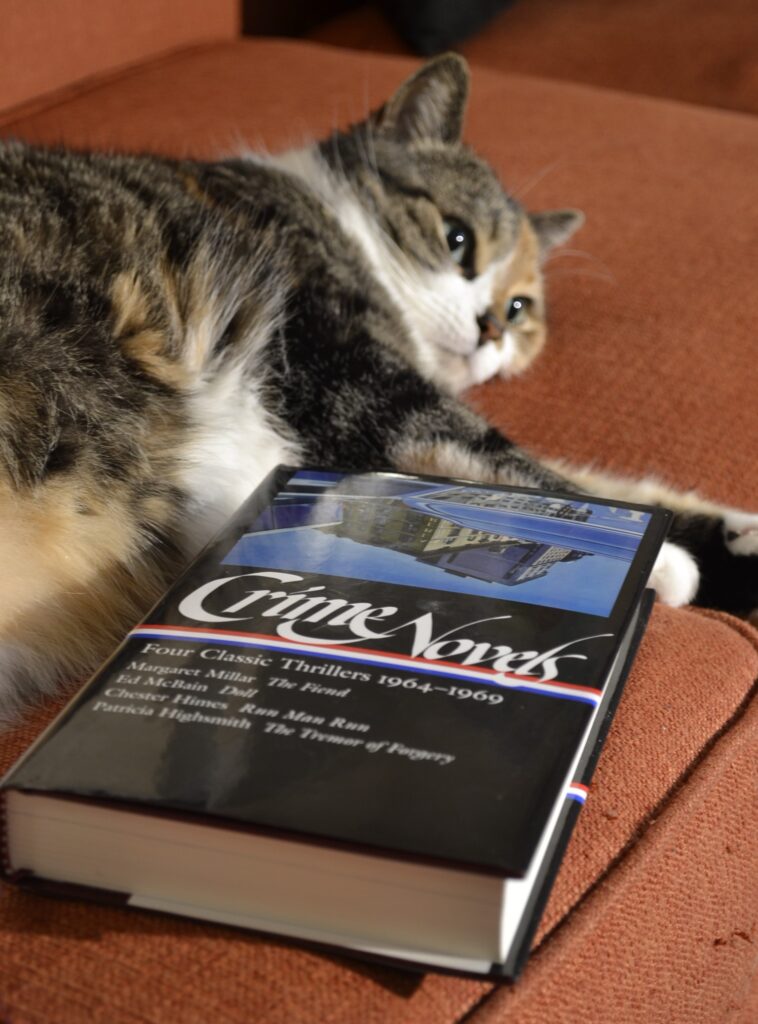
x=739, y=626
x=48, y=101
x=666, y=800
x=643, y=827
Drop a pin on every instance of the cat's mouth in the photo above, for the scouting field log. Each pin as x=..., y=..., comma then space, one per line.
x=490, y=330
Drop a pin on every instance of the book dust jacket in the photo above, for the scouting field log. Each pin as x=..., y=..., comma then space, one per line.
x=381, y=662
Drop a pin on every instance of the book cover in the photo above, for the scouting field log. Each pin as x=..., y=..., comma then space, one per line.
x=413, y=667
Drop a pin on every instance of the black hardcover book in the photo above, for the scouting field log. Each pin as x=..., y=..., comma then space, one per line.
x=365, y=717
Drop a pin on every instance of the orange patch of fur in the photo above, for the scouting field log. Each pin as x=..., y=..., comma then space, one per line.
x=523, y=277
x=148, y=349
x=139, y=339
x=193, y=189
x=73, y=573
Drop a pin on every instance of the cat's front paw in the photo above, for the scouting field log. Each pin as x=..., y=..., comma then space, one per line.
x=726, y=548
x=675, y=575
x=741, y=533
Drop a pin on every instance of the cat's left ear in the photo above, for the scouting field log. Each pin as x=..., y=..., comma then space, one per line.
x=431, y=105
x=554, y=227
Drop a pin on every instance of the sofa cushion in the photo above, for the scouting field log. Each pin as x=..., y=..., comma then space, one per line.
x=648, y=943
x=73, y=39
x=635, y=375
x=681, y=49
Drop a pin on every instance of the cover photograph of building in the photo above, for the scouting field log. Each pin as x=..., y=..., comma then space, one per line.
x=519, y=546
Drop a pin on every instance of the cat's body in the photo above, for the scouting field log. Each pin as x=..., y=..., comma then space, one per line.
x=171, y=330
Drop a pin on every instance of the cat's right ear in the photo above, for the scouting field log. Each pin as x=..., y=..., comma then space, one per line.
x=554, y=227
x=431, y=105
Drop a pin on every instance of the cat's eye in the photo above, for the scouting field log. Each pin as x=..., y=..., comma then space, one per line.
x=517, y=309
x=461, y=242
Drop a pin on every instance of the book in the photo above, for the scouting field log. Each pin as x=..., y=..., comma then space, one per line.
x=366, y=717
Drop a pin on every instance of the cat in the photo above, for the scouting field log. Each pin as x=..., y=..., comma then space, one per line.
x=170, y=330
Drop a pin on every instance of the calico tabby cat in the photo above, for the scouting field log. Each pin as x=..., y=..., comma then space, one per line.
x=170, y=330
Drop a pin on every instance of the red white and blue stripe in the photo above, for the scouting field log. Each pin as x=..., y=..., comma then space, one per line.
x=577, y=791
x=380, y=659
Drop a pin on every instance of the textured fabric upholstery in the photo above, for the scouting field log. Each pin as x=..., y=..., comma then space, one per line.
x=46, y=46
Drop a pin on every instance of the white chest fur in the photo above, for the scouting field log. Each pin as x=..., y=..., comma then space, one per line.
x=232, y=445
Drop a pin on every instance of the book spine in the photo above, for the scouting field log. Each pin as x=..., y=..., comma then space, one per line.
x=574, y=801
x=6, y=868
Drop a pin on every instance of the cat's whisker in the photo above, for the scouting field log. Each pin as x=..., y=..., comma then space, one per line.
x=580, y=253
x=366, y=155
x=238, y=144
x=337, y=157
x=372, y=146
x=366, y=99
x=574, y=254
x=522, y=190
x=608, y=277
x=337, y=119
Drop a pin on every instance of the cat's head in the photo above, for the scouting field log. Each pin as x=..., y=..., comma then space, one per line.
x=460, y=257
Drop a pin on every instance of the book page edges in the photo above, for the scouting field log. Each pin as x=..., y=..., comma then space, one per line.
x=319, y=936
x=365, y=899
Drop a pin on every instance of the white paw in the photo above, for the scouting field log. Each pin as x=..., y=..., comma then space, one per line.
x=675, y=575
x=741, y=533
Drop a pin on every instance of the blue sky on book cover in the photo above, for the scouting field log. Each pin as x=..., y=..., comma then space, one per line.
x=569, y=553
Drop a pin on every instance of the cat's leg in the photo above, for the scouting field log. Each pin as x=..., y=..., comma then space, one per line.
x=401, y=421
x=722, y=540
x=675, y=576
x=381, y=413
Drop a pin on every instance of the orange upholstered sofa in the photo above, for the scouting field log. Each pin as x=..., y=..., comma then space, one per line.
x=650, y=368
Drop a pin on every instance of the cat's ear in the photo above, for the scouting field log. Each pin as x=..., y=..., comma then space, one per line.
x=554, y=227
x=431, y=105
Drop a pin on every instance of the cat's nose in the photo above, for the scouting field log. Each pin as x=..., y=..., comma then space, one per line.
x=490, y=328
